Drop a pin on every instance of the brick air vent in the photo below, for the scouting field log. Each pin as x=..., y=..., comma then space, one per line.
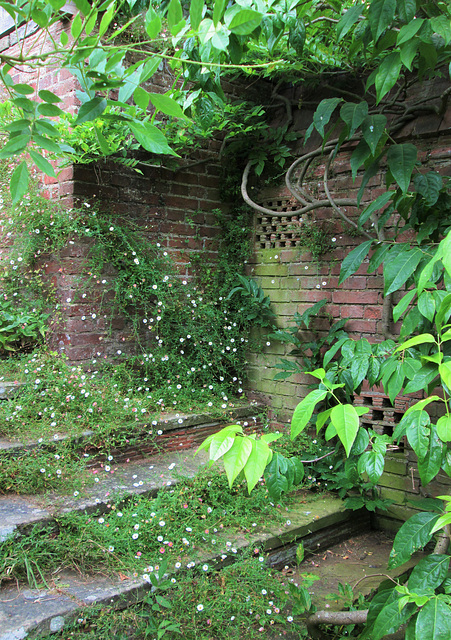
x=278, y=231
x=383, y=416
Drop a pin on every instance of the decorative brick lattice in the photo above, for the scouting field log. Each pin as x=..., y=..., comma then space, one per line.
x=383, y=416
x=278, y=231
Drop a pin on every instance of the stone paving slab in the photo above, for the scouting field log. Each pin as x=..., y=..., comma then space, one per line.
x=144, y=478
x=24, y=613
x=166, y=422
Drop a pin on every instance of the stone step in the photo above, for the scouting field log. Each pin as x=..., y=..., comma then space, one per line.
x=25, y=612
x=168, y=432
x=19, y=513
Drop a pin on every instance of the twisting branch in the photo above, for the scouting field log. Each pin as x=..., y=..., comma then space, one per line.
x=333, y=617
x=332, y=202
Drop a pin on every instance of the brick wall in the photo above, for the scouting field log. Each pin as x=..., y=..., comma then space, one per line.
x=295, y=281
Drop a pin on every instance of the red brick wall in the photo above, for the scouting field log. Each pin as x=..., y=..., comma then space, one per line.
x=295, y=281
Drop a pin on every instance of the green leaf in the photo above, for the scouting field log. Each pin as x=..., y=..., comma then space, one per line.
x=443, y=311
x=406, y=9
x=389, y=620
x=379, y=203
x=401, y=159
x=23, y=89
x=400, y=269
x=256, y=464
x=167, y=105
x=76, y=26
x=403, y=304
x=359, y=156
x=353, y=115
x=218, y=10
x=408, y=51
x=49, y=110
x=19, y=182
x=444, y=428
x=387, y=74
x=152, y=22
x=304, y=411
x=428, y=185
x=106, y=19
x=426, y=305
x=372, y=464
x=347, y=20
x=421, y=404
x=221, y=443
x=380, y=15
x=434, y=620
x=236, y=457
x=445, y=373
x=245, y=22
x=15, y=145
x=422, y=379
x=417, y=432
x=429, y=467
x=423, y=338
x=151, y=138
x=196, y=8
x=378, y=257
x=175, y=13
x=345, y=419
x=91, y=110
x=323, y=113
x=407, y=31
x=48, y=96
x=373, y=128
x=277, y=476
x=428, y=574
x=42, y=163
x=442, y=25
x=141, y=98
x=412, y=536
x=296, y=36
x=360, y=361
x=353, y=260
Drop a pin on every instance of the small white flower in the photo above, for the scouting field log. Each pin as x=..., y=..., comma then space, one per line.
x=200, y=607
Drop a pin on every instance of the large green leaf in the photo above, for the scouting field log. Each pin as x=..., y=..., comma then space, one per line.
x=429, y=467
x=372, y=464
x=152, y=22
x=323, y=113
x=390, y=619
x=400, y=269
x=428, y=574
x=423, y=338
x=347, y=20
x=304, y=411
x=422, y=379
x=444, y=428
x=406, y=9
x=377, y=204
x=353, y=114
x=388, y=74
x=277, y=476
x=426, y=305
x=245, y=22
x=360, y=361
x=434, y=620
x=167, y=105
x=445, y=373
x=401, y=159
x=15, y=145
x=412, y=536
x=428, y=185
x=380, y=16
x=91, y=110
x=417, y=432
x=42, y=163
x=345, y=419
x=373, y=128
x=353, y=260
x=175, y=13
x=19, y=182
x=236, y=457
x=403, y=304
x=256, y=464
x=151, y=138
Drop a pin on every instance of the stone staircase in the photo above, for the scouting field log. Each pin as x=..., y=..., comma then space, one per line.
x=317, y=521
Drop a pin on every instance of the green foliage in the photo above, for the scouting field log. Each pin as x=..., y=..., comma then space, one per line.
x=20, y=328
x=259, y=306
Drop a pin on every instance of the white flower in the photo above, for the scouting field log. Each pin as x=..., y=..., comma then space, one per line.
x=135, y=536
x=200, y=607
